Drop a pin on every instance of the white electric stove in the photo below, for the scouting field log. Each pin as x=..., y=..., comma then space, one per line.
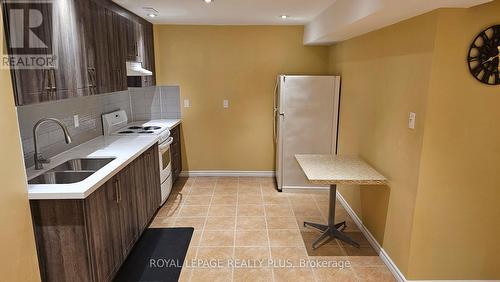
x=116, y=124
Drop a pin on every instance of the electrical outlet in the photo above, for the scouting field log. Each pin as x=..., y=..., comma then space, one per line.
x=225, y=104
x=76, y=121
x=187, y=103
x=411, y=120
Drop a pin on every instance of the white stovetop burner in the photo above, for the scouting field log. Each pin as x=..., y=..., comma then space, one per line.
x=116, y=123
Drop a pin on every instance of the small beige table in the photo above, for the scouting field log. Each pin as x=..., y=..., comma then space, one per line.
x=333, y=170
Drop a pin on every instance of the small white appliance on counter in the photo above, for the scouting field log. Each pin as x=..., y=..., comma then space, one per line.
x=305, y=122
x=116, y=124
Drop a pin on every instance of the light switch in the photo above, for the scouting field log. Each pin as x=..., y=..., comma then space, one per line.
x=76, y=121
x=225, y=104
x=187, y=103
x=411, y=120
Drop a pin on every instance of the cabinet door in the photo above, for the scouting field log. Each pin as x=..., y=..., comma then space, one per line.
x=104, y=231
x=128, y=208
x=139, y=173
x=153, y=189
x=118, y=49
x=148, y=54
x=30, y=85
x=102, y=30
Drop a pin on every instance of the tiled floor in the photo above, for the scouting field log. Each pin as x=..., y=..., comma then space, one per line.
x=247, y=231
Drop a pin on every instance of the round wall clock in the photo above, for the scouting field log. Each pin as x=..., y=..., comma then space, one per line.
x=484, y=56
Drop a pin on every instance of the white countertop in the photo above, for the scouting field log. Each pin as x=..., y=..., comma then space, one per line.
x=171, y=123
x=123, y=148
x=338, y=169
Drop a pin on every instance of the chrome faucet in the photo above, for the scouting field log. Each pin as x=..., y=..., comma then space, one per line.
x=39, y=159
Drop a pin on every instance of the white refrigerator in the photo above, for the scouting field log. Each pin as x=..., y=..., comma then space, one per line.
x=306, y=112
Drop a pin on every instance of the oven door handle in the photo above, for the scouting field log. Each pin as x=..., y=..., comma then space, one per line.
x=167, y=143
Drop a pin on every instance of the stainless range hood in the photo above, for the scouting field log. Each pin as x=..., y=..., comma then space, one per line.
x=136, y=69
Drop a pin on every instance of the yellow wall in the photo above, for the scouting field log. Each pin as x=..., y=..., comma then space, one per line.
x=457, y=217
x=239, y=63
x=385, y=75
x=438, y=217
x=18, y=261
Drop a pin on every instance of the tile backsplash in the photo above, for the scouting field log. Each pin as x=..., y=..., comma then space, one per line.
x=139, y=103
x=162, y=102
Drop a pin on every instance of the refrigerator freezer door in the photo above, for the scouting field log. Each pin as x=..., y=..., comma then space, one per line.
x=278, y=116
x=309, y=123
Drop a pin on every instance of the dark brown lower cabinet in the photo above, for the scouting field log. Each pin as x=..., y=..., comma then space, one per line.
x=89, y=239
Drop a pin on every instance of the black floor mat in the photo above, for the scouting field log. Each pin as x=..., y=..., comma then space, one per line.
x=158, y=256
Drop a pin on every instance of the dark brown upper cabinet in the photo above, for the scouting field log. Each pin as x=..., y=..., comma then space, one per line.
x=91, y=41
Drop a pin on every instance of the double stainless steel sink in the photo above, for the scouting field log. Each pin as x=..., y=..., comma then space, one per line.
x=71, y=171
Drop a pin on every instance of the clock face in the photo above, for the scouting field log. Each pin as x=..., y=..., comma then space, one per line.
x=484, y=56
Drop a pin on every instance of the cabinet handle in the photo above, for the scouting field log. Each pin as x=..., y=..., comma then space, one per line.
x=53, y=86
x=118, y=191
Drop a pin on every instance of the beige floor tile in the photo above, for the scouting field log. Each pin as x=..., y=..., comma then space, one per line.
x=249, y=179
x=190, y=255
x=251, y=238
x=251, y=223
x=275, y=199
x=195, y=239
x=188, y=211
x=202, y=191
x=281, y=223
x=250, y=210
x=209, y=186
x=192, y=199
x=185, y=275
x=365, y=260
x=253, y=275
x=331, y=248
x=328, y=274
x=223, y=190
x=220, y=223
x=222, y=211
x=196, y=222
x=253, y=253
x=206, y=179
x=306, y=209
x=293, y=274
x=285, y=238
x=373, y=273
x=211, y=275
x=301, y=219
x=217, y=238
x=175, y=199
x=168, y=210
x=295, y=255
x=224, y=199
x=249, y=199
x=197, y=200
x=227, y=179
x=300, y=198
x=162, y=222
x=222, y=255
x=278, y=210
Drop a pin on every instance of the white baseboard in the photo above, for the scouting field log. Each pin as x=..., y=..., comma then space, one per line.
x=398, y=275
x=234, y=173
x=373, y=242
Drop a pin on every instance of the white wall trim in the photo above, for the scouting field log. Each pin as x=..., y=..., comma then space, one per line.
x=234, y=173
x=373, y=242
x=398, y=275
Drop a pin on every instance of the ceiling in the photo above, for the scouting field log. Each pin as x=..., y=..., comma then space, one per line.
x=229, y=12
x=326, y=21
